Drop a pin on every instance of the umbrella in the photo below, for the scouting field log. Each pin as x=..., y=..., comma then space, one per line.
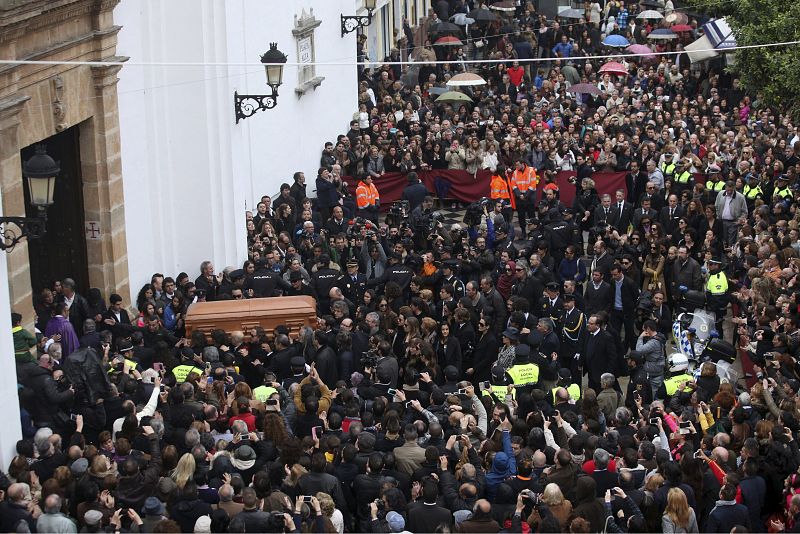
x=437, y=90
x=662, y=33
x=614, y=67
x=650, y=14
x=507, y=6
x=572, y=14
x=482, y=16
x=677, y=17
x=616, y=41
x=466, y=78
x=452, y=97
x=584, y=89
x=652, y=3
x=461, y=19
x=445, y=27
x=645, y=54
x=448, y=40
x=681, y=28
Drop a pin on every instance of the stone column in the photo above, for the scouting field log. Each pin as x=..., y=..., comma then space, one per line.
x=13, y=203
x=101, y=169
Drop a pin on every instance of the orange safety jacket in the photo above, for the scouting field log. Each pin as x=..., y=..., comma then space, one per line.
x=525, y=179
x=500, y=188
x=366, y=195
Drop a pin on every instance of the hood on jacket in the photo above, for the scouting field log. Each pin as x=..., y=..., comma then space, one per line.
x=500, y=463
x=585, y=489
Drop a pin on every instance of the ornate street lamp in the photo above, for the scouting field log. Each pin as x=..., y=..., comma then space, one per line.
x=40, y=172
x=247, y=105
x=351, y=23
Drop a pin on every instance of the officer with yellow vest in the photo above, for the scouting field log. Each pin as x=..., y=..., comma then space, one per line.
x=683, y=179
x=125, y=355
x=679, y=374
x=752, y=190
x=782, y=191
x=498, y=385
x=565, y=381
x=717, y=292
x=524, y=373
x=668, y=166
x=714, y=184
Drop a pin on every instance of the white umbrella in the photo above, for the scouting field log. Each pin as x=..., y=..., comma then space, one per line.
x=465, y=78
x=650, y=14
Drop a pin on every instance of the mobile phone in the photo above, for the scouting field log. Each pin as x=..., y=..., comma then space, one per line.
x=161, y=388
x=462, y=392
x=73, y=416
x=684, y=427
x=158, y=366
x=653, y=420
x=272, y=402
x=307, y=498
x=408, y=404
x=391, y=391
x=317, y=430
x=697, y=454
x=210, y=380
x=208, y=365
x=485, y=384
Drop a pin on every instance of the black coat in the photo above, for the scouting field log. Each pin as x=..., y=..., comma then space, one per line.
x=599, y=299
x=46, y=406
x=599, y=355
x=415, y=194
x=427, y=518
x=629, y=293
x=79, y=312
x=327, y=366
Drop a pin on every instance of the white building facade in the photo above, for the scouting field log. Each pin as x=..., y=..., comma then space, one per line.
x=190, y=170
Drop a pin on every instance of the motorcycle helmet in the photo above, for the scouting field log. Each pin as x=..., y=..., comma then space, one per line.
x=678, y=362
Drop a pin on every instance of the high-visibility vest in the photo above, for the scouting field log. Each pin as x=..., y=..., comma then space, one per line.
x=182, y=371
x=784, y=193
x=574, y=391
x=668, y=169
x=366, y=195
x=499, y=188
x=262, y=393
x=751, y=193
x=684, y=177
x=717, y=284
x=524, y=373
x=525, y=179
x=715, y=186
x=499, y=391
x=132, y=364
x=671, y=384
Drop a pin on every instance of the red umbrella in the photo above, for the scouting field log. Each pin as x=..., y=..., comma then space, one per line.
x=448, y=40
x=681, y=28
x=614, y=67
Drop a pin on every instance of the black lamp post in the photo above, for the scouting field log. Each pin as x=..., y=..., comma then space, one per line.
x=351, y=23
x=247, y=105
x=40, y=172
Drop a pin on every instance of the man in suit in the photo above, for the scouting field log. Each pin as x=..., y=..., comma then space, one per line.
x=635, y=182
x=598, y=294
x=426, y=516
x=77, y=304
x=650, y=193
x=624, y=212
x=603, y=214
x=685, y=272
x=598, y=354
x=602, y=260
x=644, y=212
x=338, y=223
x=624, y=293
x=670, y=214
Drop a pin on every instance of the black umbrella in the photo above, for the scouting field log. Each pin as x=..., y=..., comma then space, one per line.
x=482, y=16
x=445, y=28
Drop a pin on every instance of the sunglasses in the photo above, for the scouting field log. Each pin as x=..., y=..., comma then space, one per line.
x=519, y=269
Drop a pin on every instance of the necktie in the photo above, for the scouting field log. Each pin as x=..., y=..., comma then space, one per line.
x=372, y=271
x=671, y=212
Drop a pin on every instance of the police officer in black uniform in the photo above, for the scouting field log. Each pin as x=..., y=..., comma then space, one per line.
x=322, y=281
x=395, y=272
x=573, y=329
x=561, y=233
x=353, y=284
x=551, y=305
x=449, y=270
x=265, y=281
x=298, y=287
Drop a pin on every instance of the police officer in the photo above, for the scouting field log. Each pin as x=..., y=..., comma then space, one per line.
x=668, y=167
x=395, y=272
x=322, y=281
x=679, y=374
x=714, y=183
x=717, y=292
x=524, y=373
x=752, y=190
x=298, y=287
x=449, y=270
x=782, y=191
x=264, y=281
x=638, y=385
x=498, y=384
x=573, y=329
x=683, y=178
x=561, y=233
x=551, y=305
x=565, y=381
x=353, y=284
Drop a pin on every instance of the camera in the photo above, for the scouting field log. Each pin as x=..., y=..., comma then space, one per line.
x=399, y=212
x=369, y=359
x=379, y=504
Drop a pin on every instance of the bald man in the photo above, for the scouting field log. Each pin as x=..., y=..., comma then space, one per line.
x=481, y=519
x=52, y=520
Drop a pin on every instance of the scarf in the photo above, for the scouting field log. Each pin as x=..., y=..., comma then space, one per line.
x=506, y=281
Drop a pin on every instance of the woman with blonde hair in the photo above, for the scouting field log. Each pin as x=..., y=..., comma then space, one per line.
x=184, y=471
x=330, y=511
x=678, y=516
x=560, y=507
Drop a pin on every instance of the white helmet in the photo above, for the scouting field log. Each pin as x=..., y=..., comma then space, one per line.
x=678, y=362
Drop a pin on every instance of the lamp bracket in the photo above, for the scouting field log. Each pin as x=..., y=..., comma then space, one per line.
x=248, y=105
x=30, y=227
x=351, y=23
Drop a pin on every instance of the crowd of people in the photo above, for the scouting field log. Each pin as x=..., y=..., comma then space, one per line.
x=512, y=373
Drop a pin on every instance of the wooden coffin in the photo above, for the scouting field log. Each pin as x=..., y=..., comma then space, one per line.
x=232, y=315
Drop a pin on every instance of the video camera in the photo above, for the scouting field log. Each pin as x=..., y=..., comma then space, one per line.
x=355, y=226
x=474, y=212
x=399, y=212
